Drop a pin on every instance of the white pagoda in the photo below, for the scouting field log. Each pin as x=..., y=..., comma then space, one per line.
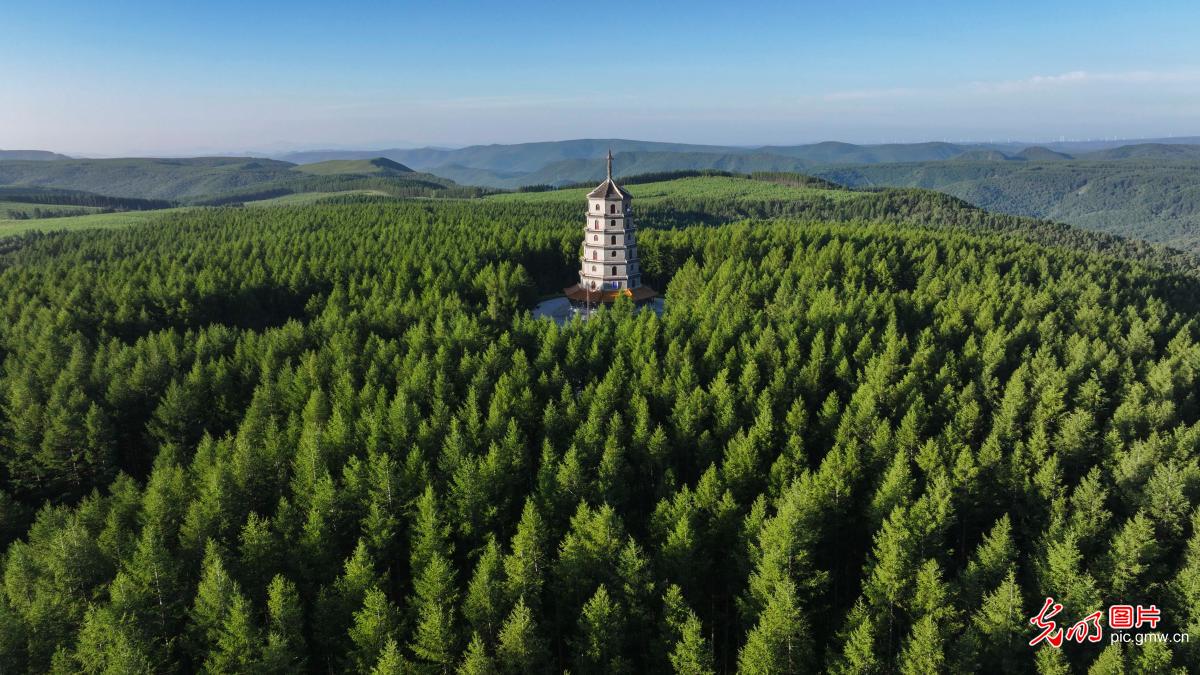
x=609, y=266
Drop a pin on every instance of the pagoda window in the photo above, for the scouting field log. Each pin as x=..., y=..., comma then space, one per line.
x=613, y=254
x=614, y=240
x=612, y=208
x=597, y=207
x=614, y=271
x=593, y=255
x=612, y=223
x=595, y=237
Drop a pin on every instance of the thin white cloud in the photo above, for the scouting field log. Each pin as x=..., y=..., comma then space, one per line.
x=870, y=94
x=1083, y=77
x=1034, y=83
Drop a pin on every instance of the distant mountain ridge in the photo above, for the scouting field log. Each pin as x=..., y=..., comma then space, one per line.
x=206, y=178
x=503, y=165
x=30, y=155
x=1039, y=153
x=373, y=166
x=511, y=160
x=1147, y=190
x=1151, y=151
x=1143, y=196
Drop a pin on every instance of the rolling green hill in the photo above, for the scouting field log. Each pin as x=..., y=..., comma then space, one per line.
x=524, y=158
x=830, y=152
x=366, y=167
x=981, y=156
x=571, y=171
x=732, y=190
x=30, y=155
x=87, y=221
x=515, y=158
x=1038, y=153
x=65, y=197
x=1154, y=200
x=217, y=180
x=22, y=210
x=1148, y=152
x=173, y=179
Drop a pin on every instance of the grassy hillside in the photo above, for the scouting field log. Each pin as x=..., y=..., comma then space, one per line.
x=732, y=190
x=39, y=208
x=90, y=221
x=16, y=210
x=636, y=163
x=53, y=196
x=396, y=184
x=303, y=198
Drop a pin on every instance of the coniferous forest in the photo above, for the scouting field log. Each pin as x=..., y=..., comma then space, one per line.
x=332, y=438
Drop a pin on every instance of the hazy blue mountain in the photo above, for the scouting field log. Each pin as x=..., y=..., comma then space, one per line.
x=1148, y=151
x=557, y=162
x=222, y=178
x=831, y=152
x=30, y=155
x=1081, y=147
x=635, y=163
x=466, y=175
x=314, y=156
x=981, y=156
x=146, y=178
x=1038, y=153
x=520, y=157
x=373, y=166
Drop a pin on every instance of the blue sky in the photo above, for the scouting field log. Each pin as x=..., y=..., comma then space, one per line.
x=138, y=77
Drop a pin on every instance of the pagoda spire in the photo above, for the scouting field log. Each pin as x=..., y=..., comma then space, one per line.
x=610, y=163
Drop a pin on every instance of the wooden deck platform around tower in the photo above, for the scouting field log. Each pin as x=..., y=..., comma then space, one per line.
x=577, y=293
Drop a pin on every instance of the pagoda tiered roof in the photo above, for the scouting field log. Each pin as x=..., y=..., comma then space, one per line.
x=609, y=190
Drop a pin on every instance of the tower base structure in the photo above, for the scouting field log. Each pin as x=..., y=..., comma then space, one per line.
x=580, y=296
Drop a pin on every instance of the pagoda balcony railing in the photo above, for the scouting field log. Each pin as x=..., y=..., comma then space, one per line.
x=628, y=244
x=609, y=261
x=610, y=230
